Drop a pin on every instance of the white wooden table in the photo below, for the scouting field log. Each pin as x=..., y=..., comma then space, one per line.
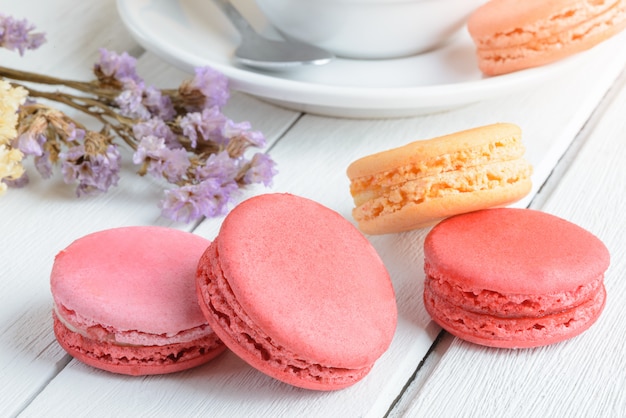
x=575, y=130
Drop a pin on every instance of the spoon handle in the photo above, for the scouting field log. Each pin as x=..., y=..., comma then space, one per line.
x=236, y=18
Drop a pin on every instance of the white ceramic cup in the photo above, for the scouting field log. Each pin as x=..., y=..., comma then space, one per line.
x=369, y=29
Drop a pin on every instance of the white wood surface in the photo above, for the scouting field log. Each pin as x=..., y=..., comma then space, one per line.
x=581, y=377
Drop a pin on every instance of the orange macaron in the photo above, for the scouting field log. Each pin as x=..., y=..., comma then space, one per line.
x=420, y=183
x=512, y=35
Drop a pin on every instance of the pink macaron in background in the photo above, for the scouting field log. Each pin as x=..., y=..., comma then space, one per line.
x=125, y=301
x=296, y=291
x=513, y=278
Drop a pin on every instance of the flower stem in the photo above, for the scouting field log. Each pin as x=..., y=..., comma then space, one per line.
x=86, y=87
x=87, y=106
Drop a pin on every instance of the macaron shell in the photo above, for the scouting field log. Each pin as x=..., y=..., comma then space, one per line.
x=446, y=152
x=130, y=279
x=316, y=282
x=536, y=252
x=251, y=344
x=301, y=288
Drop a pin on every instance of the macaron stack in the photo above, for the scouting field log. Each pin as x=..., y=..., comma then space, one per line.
x=495, y=276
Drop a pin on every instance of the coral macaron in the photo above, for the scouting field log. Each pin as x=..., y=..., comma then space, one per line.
x=420, y=183
x=296, y=291
x=125, y=301
x=512, y=35
x=513, y=278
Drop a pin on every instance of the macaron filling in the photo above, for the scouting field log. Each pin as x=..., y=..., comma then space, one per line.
x=106, y=349
x=218, y=300
x=490, y=302
x=504, y=149
x=133, y=360
x=486, y=167
x=127, y=338
x=530, y=331
x=490, y=176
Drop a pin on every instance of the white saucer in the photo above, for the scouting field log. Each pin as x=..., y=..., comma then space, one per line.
x=193, y=33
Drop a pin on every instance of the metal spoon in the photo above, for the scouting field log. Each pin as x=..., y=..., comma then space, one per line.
x=260, y=52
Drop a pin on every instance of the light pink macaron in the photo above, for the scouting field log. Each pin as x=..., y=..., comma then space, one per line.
x=513, y=277
x=125, y=301
x=295, y=290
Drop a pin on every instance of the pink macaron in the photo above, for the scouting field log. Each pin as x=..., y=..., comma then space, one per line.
x=295, y=290
x=513, y=277
x=125, y=301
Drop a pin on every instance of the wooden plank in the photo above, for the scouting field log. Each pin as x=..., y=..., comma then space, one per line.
x=312, y=158
x=583, y=376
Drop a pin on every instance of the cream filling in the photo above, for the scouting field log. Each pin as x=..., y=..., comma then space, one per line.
x=384, y=200
x=505, y=149
x=132, y=338
x=539, y=328
x=489, y=302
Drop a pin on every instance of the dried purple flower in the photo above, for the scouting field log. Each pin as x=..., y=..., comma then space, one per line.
x=31, y=143
x=94, y=170
x=218, y=166
x=179, y=135
x=17, y=183
x=207, y=89
x=262, y=170
x=17, y=35
x=136, y=101
x=116, y=69
x=204, y=126
x=30, y=138
x=159, y=160
x=43, y=165
x=208, y=198
x=150, y=147
x=157, y=104
x=156, y=127
x=241, y=132
x=130, y=101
